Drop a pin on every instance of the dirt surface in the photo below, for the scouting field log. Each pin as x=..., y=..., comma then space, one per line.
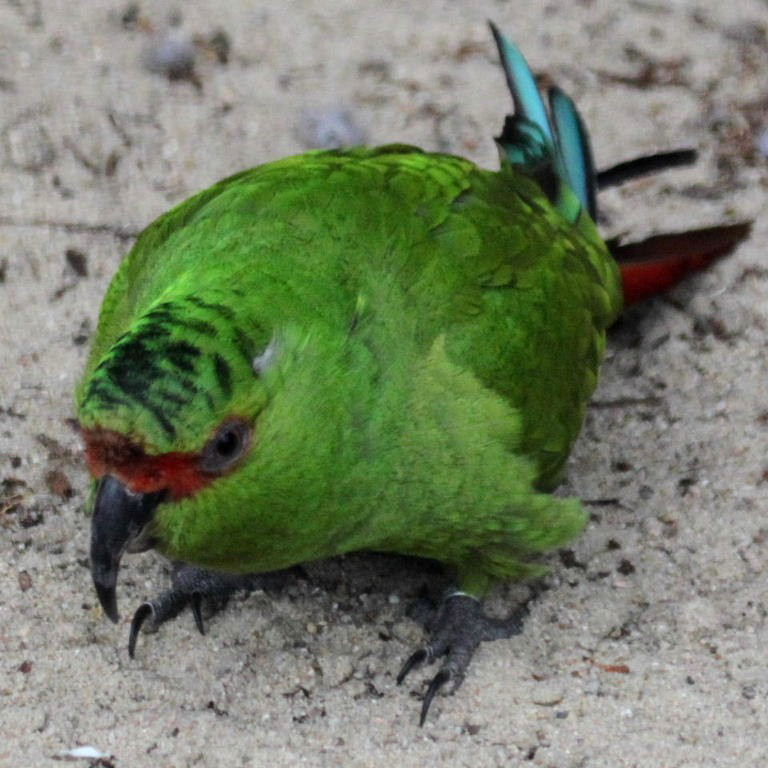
x=649, y=647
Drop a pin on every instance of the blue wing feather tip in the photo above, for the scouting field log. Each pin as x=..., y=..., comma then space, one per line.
x=574, y=147
x=522, y=84
x=545, y=143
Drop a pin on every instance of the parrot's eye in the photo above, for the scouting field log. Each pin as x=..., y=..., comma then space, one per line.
x=227, y=447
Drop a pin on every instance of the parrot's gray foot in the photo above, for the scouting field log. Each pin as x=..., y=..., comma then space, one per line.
x=189, y=585
x=458, y=627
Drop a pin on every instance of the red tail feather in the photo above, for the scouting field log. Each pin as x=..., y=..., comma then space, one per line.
x=655, y=265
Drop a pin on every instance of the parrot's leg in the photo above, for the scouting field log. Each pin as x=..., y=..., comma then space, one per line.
x=189, y=585
x=458, y=627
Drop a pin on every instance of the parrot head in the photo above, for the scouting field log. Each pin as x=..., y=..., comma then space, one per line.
x=170, y=409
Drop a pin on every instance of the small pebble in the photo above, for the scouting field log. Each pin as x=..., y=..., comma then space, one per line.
x=25, y=581
x=171, y=53
x=329, y=129
x=130, y=16
x=78, y=261
x=336, y=669
x=221, y=46
x=29, y=146
x=548, y=695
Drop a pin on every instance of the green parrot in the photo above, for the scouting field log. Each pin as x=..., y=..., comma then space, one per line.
x=368, y=349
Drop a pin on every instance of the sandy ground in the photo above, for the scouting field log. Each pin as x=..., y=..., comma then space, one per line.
x=649, y=647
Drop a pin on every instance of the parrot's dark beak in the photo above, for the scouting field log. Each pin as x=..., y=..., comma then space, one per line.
x=120, y=517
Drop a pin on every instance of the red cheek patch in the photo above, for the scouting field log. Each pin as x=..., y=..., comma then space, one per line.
x=109, y=452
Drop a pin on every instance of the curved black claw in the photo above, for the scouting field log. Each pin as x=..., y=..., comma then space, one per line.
x=437, y=682
x=188, y=588
x=416, y=659
x=143, y=612
x=459, y=627
x=196, y=603
x=108, y=598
